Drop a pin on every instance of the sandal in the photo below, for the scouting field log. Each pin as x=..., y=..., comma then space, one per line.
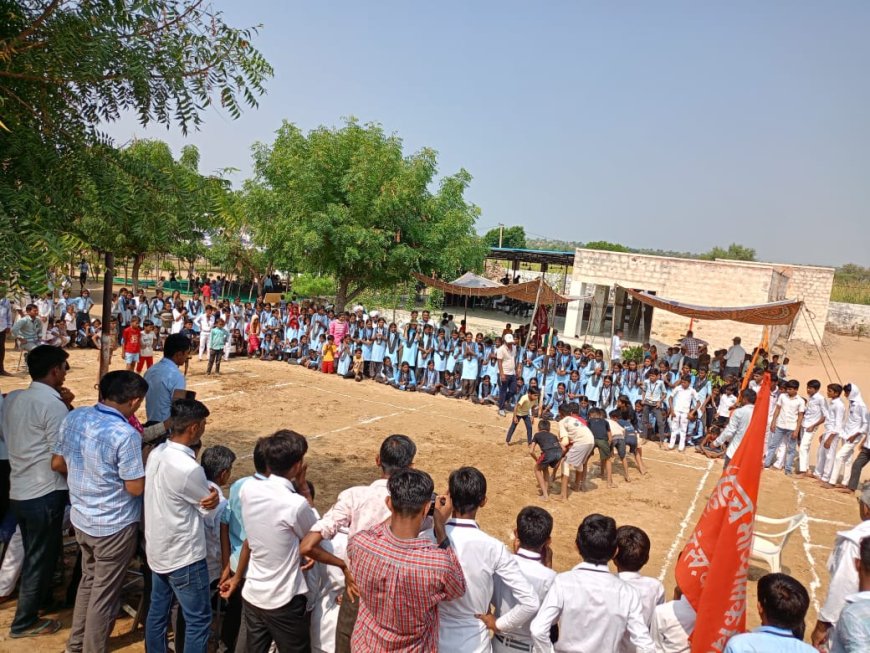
x=44, y=627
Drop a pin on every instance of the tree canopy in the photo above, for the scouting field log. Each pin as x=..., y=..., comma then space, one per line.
x=514, y=237
x=348, y=203
x=734, y=252
x=66, y=67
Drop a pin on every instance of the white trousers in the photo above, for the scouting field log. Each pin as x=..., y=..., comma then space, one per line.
x=804, y=450
x=13, y=561
x=825, y=459
x=843, y=461
x=203, y=342
x=679, y=424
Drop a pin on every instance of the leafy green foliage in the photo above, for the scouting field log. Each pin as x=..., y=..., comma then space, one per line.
x=349, y=204
x=312, y=285
x=514, y=237
x=733, y=252
x=65, y=68
x=605, y=245
x=632, y=354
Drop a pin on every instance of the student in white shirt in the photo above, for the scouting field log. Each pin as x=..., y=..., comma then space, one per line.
x=682, y=400
x=205, y=322
x=533, y=555
x=463, y=622
x=632, y=553
x=277, y=516
x=177, y=497
x=672, y=625
x=217, y=462
x=616, y=347
x=594, y=608
x=814, y=417
x=785, y=425
x=830, y=439
x=737, y=426
x=855, y=425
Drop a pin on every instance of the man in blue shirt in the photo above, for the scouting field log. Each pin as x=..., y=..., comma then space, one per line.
x=166, y=383
x=782, y=606
x=101, y=454
x=853, y=627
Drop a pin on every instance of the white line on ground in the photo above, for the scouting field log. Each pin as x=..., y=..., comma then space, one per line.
x=832, y=499
x=820, y=546
x=282, y=385
x=815, y=583
x=829, y=521
x=673, y=462
x=196, y=385
x=230, y=394
x=672, y=552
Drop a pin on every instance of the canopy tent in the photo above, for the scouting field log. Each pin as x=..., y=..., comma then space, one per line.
x=781, y=312
x=533, y=292
x=471, y=280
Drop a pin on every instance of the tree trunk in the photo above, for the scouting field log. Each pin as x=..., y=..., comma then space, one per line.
x=137, y=263
x=341, y=295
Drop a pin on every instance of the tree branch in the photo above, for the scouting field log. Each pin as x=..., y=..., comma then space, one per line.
x=35, y=25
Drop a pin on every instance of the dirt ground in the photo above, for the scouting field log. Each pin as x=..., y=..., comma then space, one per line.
x=345, y=422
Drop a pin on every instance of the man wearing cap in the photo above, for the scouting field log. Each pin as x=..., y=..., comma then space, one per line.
x=734, y=358
x=507, y=372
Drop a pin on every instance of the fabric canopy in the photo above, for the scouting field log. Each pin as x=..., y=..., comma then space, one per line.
x=524, y=292
x=471, y=280
x=781, y=312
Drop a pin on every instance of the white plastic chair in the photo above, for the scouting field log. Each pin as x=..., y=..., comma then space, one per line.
x=767, y=547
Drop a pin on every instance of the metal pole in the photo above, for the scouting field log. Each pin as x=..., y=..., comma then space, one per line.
x=500, y=234
x=106, y=335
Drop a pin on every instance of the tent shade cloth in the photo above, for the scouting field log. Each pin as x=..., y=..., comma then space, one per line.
x=524, y=292
x=781, y=312
x=471, y=280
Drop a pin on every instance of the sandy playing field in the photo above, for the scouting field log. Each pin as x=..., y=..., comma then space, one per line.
x=346, y=421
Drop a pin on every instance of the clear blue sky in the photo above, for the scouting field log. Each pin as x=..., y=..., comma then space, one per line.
x=674, y=125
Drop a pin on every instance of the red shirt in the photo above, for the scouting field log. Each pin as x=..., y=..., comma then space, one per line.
x=401, y=583
x=131, y=340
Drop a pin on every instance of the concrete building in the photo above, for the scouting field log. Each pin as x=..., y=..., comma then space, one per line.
x=690, y=281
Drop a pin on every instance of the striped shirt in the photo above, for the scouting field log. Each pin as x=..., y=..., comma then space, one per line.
x=401, y=583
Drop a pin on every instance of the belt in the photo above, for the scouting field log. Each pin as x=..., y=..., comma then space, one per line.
x=514, y=643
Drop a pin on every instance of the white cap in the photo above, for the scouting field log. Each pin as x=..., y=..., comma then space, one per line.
x=508, y=338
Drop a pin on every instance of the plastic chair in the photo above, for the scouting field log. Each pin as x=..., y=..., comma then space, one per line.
x=767, y=547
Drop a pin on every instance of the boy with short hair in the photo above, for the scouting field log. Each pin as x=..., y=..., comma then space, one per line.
x=132, y=344
x=814, y=417
x=531, y=547
x=147, y=340
x=632, y=553
x=465, y=621
x=522, y=411
x=547, y=457
x=601, y=433
x=595, y=609
x=217, y=338
x=682, y=400
x=782, y=605
x=829, y=441
x=328, y=355
x=785, y=425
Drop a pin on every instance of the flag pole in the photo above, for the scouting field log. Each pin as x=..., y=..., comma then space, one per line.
x=761, y=345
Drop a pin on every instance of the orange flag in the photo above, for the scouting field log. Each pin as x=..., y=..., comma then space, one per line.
x=712, y=571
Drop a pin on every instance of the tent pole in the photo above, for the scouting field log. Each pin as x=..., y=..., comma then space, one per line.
x=761, y=345
x=466, y=312
x=534, y=312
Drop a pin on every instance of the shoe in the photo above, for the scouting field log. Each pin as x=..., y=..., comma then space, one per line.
x=44, y=627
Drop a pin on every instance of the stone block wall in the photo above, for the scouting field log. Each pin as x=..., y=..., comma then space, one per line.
x=705, y=283
x=848, y=318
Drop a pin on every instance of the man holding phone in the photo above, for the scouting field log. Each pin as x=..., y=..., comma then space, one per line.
x=166, y=382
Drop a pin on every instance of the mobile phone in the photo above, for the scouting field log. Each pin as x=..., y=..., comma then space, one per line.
x=432, y=505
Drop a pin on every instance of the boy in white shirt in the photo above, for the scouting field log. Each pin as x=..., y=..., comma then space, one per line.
x=829, y=440
x=786, y=424
x=814, y=417
x=464, y=622
x=532, y=553
x=595, y=609
x=205, y=322
x=682, y=400
x=672, y=625
x=632, y=553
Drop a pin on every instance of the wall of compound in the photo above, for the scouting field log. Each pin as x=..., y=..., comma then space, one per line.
x=706, y=283
x=849, y=318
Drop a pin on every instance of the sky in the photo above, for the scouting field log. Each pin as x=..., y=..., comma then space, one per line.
x=666, y=125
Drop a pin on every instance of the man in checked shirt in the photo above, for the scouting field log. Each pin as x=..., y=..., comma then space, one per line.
x=357, y=509
x=402, y=578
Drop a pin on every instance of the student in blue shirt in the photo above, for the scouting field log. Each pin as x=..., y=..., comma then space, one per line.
x=468, y=378
x=430, y=381
x=782, y=606
x=487, y=392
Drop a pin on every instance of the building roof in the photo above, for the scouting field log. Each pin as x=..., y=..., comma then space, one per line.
x=531, y=255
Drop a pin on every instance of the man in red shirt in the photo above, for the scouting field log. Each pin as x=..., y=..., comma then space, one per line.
x=401, y=577
x=132, y=344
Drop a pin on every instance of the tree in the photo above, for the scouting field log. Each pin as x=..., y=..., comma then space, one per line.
x=605, y=245
x=148, y=202
x=734, y=252
x=349, y=204
x=66, y=67
x=513, y=237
